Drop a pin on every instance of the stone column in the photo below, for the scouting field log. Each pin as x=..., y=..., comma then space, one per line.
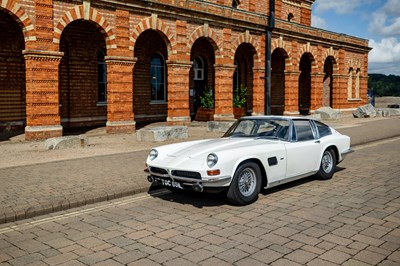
x=178, y=92
x=224, y=91
x=42, y=94
x=120, y=117
x=258, y=91
x=291, y=93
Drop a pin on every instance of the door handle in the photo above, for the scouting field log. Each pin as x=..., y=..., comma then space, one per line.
x=317, y=141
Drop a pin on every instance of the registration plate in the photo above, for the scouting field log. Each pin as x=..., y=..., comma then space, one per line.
x=171, y=183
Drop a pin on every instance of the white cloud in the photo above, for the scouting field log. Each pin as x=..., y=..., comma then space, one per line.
x=318, y=22
x=386, y=21
x=385, y=56
x=339, y=6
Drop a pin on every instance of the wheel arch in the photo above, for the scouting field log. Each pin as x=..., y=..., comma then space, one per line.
x=264, y=178
x=335, y=150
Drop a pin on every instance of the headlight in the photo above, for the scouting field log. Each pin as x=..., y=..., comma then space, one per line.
x=212, y=159
x=153, y=154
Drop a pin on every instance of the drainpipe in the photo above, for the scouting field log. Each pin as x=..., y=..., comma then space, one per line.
x=270, y=27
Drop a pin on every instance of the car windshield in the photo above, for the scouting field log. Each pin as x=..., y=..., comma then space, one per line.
x=271, y=128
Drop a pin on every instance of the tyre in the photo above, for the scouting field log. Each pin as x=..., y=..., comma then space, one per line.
x=328, y=165
x=245, y=185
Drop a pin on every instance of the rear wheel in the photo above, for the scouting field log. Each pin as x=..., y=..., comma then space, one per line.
x=328, y=165
x=246, y=184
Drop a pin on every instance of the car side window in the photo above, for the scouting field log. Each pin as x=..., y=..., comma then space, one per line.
x=303, y=130
x=324, y=130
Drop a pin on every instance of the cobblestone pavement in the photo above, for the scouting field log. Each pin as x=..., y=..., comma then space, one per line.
x=31, y=190
x=352, y=219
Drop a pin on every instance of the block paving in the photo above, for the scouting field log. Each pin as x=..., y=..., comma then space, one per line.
x=352, y=219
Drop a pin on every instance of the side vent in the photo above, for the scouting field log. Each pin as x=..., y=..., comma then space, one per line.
x=272, y=161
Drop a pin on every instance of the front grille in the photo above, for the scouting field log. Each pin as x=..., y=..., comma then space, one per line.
x=157, y=170
x=187, y=174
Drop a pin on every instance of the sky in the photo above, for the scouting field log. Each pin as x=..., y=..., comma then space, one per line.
x=375, y=20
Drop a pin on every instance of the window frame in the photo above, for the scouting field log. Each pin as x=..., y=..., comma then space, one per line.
x=101, y=77
x=154, y=96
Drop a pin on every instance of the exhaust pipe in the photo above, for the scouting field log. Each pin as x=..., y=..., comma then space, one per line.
x=197, y=187
x=150, y=179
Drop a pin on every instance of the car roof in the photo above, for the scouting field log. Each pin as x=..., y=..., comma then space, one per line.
x=277, y=117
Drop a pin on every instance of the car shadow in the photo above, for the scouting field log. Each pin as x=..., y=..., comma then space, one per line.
x=184, y=197
x=201, y=200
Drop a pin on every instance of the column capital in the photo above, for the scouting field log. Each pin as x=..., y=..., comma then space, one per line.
x=42, y=55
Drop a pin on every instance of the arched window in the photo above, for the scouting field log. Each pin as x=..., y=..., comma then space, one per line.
x=235, y=3
x=157, y=75
x=198, y=68
x=358, y=72
x=350, y=84
x=102, y=77
x=290, y=17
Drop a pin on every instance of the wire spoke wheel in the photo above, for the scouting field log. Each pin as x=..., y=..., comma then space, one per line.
x=247, y=182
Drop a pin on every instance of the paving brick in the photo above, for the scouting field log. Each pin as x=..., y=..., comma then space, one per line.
x=62, y=258
x=301, y=256
x=369, y=257
x=232, y=255
x=335, y=256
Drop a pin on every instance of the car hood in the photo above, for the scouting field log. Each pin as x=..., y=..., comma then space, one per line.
x=196, y=148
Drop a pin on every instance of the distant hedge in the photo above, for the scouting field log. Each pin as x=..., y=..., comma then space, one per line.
x=383, y=85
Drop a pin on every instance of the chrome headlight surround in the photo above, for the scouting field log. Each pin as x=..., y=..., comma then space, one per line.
x=212, y=160
x=153, y=154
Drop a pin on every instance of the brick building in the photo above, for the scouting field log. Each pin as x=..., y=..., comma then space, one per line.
x=68, y=63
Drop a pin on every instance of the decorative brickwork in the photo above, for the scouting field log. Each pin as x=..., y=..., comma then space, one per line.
x=58, y=57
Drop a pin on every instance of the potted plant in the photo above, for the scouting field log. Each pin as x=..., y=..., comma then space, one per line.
x=239, y=101
x=206, y=109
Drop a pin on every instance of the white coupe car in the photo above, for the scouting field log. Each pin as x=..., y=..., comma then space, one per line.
x=257, y=151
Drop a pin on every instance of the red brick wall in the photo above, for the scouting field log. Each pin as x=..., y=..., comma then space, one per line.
x=215, y=32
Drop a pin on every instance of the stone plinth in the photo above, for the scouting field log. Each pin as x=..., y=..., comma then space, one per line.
x=162, y=133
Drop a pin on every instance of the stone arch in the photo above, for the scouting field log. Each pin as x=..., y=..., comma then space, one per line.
x=206, y=32
x=154, y=23
x=22, y=18
x=282, y=47
x=332, y=55
x=244, y=37
x=310, y=51
x=77, y=13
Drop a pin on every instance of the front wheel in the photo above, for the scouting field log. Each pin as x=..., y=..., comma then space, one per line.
x=245, y=185
x=328, y=165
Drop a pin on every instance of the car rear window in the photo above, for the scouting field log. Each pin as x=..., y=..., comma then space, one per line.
x=323, y=129
x=303, y=130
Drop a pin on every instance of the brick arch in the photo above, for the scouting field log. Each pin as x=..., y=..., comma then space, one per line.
x=244, y=37
x=207, y=32
x=310, y=52
x=281, y=45
x=353, y=63
x=77, y=13
x=330, y=53
x=18, y=13
x=154, y=23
